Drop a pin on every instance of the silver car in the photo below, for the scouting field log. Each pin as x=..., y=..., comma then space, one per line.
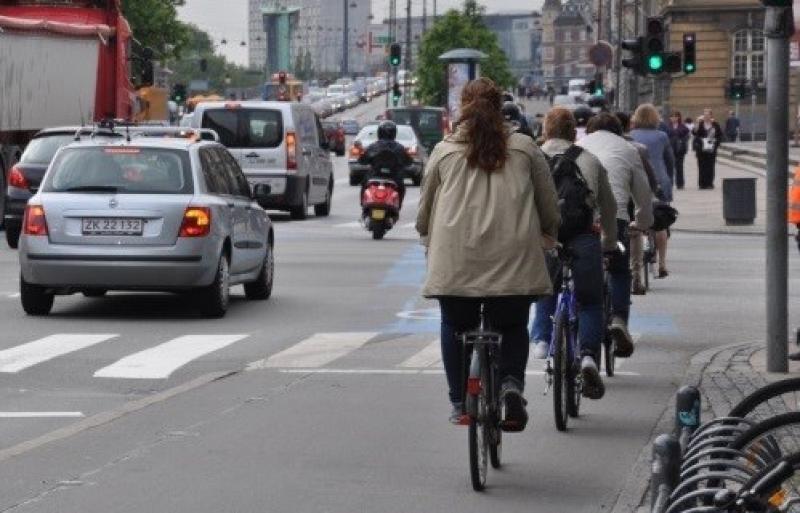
x=166, y=214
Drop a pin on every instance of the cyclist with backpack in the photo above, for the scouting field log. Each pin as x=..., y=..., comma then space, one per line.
x=628, y=181
x=586, y=197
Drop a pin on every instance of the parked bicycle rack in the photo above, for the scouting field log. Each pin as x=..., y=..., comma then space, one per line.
x=733, y=464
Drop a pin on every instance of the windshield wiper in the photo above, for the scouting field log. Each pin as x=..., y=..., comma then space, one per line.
x=93, y=188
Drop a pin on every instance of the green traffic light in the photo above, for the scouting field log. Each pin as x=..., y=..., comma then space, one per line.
x=655, y=62
x=394, y=62
x=689, y=68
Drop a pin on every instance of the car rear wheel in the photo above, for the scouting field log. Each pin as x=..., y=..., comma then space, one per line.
x=324, y=209
x=215, y=297
x=300, y=212
x=35, y=299
x=261, y=289
x=12, y=236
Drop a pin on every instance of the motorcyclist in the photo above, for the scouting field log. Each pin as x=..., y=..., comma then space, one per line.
x=389, y=154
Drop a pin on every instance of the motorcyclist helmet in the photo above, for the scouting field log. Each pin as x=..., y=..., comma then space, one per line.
x=582, y=115
x=511, y=112
x=387, y=130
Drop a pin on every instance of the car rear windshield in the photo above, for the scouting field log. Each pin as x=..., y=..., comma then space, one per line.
x=126, y=170
x=246, y=128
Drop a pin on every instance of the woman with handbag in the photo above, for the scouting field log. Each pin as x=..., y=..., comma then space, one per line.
x=679, y=135
x=707, y=137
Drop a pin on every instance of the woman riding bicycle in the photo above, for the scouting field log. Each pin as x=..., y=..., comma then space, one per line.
x=488, y=205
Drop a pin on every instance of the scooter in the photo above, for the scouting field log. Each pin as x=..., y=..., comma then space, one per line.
x=380, y=203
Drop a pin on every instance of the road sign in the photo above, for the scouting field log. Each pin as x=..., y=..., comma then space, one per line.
x=601, y=54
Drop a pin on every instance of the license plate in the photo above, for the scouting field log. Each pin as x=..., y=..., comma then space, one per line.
x=111, y=226
x=378, y=215
x=276, y=185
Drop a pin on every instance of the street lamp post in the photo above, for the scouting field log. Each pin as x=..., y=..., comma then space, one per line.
x=345, y=63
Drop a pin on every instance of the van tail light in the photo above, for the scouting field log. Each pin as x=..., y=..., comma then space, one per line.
x=34, y=222
x=291, y=151
x=17, y=179
x=412, y=151
x=196, y=222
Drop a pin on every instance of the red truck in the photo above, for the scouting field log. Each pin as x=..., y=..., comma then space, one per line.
x=62, y=62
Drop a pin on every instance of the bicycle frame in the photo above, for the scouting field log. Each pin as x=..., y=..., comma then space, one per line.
x=567, y=303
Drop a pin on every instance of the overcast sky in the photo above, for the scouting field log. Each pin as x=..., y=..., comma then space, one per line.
x=228, y=18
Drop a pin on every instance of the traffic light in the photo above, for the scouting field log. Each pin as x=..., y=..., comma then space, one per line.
x=636, y=61
x=396, y=93
x=655, y=45
x=178, y=93
x=596, y=87
x=395, y=52
x=737, y=89
x=689, y=53
x=672, y=62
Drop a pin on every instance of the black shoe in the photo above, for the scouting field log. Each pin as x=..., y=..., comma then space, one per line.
x=516, y=418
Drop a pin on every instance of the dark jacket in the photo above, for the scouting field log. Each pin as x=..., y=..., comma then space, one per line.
x=679, y=138
x=377, y=155
x=701, y=133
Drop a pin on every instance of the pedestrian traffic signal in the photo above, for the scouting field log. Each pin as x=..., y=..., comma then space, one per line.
x=689, y=53
x=737, y=89
x=178, y=93
x=395, y=52
x=655, y=45
x=636, y=61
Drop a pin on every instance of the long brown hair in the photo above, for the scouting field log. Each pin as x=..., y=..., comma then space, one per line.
x=482, y=119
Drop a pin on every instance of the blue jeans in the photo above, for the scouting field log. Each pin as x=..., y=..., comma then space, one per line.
x=506, y=315
x=587, y=272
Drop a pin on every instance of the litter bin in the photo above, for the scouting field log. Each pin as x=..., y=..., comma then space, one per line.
x=739, y=200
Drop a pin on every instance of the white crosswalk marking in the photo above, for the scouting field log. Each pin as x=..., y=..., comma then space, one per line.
x=162, y=360
x=352, y=224
x=315, y=351
x=27, y=355
x=428, y=357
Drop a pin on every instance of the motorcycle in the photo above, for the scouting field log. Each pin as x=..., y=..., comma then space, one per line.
x=380, y=203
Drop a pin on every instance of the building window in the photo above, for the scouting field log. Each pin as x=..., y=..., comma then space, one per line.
x=748, y=55
x=568, y=54
x=548, y=53
x=567, y=36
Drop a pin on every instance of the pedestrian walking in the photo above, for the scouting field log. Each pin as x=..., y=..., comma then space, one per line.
x=732, y=126
x=488, y=206
x=646, y=122
x=679, y=135
x=707, y=137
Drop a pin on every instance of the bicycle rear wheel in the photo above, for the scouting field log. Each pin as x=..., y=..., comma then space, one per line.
x=609, y=359
x=561, y=373
x=496, y=441
x=574, y=388
x=478, y=439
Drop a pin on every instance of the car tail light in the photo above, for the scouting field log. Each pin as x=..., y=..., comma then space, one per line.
x=356, y=151
x=412, y=151
x=291, y=151
x=196, y=222
x=35, y=223
x=17, y=179
x=445, y=125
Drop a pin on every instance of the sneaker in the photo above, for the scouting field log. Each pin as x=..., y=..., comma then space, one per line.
x=622, y=339
x=663, y=273
x=637, y=288
x=516, y=418
x=593, y=387
x=541, y=350
x=456, y=413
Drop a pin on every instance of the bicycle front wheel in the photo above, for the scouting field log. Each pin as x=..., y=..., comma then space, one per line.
x=496, y=440
x=561, y=372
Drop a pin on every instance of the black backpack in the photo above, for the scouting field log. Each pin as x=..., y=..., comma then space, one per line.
x=574, y=194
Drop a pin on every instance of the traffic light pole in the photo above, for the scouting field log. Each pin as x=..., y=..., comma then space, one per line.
x=779, y=25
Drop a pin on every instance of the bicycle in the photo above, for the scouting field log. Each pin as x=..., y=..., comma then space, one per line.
x=482, y=405
x=563, y=366
x=648, y=257
x=609, y=347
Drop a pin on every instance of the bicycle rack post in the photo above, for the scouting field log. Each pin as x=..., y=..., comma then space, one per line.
x=665, y=471
x=687, y=413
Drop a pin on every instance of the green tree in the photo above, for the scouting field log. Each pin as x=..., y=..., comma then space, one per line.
x=155, y=25
x=458, y=29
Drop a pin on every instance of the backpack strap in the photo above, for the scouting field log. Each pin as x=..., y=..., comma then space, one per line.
x=573, y=152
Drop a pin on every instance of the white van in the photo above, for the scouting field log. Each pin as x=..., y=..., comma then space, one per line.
x=278, y=143
x=577, y=87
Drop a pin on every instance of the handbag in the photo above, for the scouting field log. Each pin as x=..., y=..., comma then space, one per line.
x=709, y=145
x=664, y=216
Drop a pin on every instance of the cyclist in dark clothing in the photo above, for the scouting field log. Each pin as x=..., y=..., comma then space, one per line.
x=513, y=115
x=386, y=153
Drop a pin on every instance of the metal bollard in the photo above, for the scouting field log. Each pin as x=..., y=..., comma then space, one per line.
x=687, y=413
x=665, y=471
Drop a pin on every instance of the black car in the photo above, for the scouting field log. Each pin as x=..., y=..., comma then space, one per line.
x=26, y=175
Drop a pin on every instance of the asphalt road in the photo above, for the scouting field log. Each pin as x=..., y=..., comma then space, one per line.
x=330, y=396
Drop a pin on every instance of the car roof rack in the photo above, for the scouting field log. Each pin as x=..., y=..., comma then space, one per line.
x=199, y=134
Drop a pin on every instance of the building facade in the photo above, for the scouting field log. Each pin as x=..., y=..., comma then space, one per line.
x=317, y=34
x=569, y=31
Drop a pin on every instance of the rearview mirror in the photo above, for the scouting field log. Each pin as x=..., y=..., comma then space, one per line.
x=261, y=191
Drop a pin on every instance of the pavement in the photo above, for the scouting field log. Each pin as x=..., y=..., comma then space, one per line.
x=331, y=396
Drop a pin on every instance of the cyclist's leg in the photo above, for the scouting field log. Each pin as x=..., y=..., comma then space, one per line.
x=637, y=262
x=458, y=316
x=620, y=274
x=542, y=331
x=587, y=269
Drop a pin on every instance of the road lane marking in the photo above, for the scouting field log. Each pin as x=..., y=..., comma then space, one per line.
x=401, y=372
x=315, y=351
x=40, y=414
x=16, y=295
x=162, y=360
x=408, y=225
x=428, y=357
x=27, y=355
